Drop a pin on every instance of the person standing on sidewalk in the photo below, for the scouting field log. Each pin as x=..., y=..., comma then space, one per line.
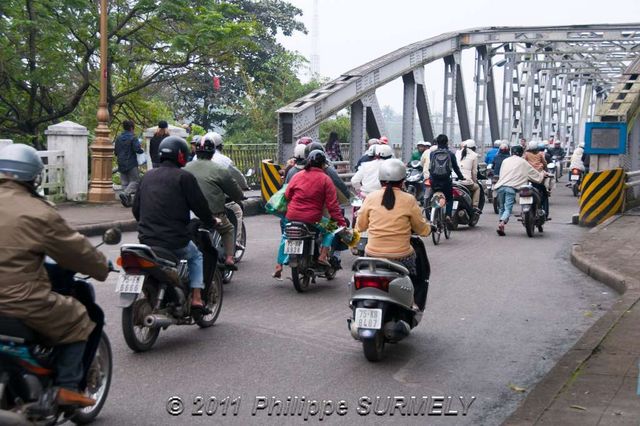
x=333, y=147
x=154, y=143
x=126, y=146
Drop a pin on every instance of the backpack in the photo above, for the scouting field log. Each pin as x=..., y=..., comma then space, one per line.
x=440, y=165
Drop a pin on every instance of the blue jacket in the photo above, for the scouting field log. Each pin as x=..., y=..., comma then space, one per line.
x=497, y=162
x=491, y=154
x=126, y=146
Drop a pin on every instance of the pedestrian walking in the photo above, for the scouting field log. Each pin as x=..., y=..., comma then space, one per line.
x=126, y=147
x=161, y=133
x=333, y=147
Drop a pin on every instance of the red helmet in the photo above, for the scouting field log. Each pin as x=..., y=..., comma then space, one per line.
x=384, y=140
x=305, y=140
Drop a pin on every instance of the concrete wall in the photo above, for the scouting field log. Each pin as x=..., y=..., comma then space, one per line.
x=148, y=134
x=72, y=138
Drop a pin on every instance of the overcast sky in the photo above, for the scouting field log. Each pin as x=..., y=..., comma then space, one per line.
x=353, y=32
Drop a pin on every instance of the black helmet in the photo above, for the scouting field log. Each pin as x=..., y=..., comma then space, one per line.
x=316, y=158
x=517, y=150
x=174, y=148
x=313, y=146
x=205, y=145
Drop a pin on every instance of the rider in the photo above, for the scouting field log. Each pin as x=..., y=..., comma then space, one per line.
x=537, y=160
x=421, y=147
x=369, y=154
x=491, y=154
x=166, y=197
x=216, y=184
x=308, y=193
x=578, y=158
x=515, y=172
x=468, y=161
x=441, y=163
x=31, y=229
x=300, y=157
x=503, y=153
x=391, y=216
x=366, y=180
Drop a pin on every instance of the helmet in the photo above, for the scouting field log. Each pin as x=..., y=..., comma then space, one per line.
x=517, y=150
x=423, y=143
x=195, y=140
x=313, y=146
x=383, y=151
x=384, y=140
x=371, y=151
x=497, y=143
x=504, y=146
x=213, y=137
x=21, y=162
x=392, y=171
x=557, y=142
x=470, y=143
x=204, y=144
x=175, y=149
x=532, y=146
x=581, y=145
x=373, y=141
x=305, y=140
x=299, y=152
x=316, y=158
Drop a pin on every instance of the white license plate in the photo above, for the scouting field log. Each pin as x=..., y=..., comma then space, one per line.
x=369, y=318
x=129, y=283
x=575, y=177
x=293, y=246
x=455, y=205
x=526, y=200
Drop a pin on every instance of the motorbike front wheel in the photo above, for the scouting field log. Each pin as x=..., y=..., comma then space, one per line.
x=436, y=229
x=138, y=337
x=300, y=283
x=98, y=382
x=213, y=301
x=374, y=347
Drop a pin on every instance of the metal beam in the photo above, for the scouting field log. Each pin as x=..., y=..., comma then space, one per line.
x=461, y=104
x=422, y=106
x=374, y=120
x=408, y=115
x=356, y=149
x=449, y=98
x=480, y=78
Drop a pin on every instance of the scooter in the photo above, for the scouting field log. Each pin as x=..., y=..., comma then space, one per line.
x=463, y=211
x=27, y=391
x=551, y=178
x=382, y=300
x=532, y=215
x=576, y=180
x=302, y=245
x=154, y=290
x=557, y=167
x=356, y=203
x=414, y=181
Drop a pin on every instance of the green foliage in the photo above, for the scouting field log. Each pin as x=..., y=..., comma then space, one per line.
x=341, y=125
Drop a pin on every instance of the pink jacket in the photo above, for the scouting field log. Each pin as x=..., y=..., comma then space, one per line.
x=308, y=192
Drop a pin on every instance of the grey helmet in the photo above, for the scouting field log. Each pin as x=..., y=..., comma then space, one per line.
x=392, y=170
x=383, y=151
x=21, y=162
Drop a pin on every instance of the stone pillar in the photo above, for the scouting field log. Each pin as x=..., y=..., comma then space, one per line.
x=148, y=134
x=5, y=142
x=72, y=138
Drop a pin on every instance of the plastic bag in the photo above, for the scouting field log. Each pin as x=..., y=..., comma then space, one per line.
x=277, y=204
x=142, y=159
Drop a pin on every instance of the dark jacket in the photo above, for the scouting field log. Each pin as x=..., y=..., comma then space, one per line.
x=497, y=162
x=163, y=203
x=126, y=146
x=154, y=145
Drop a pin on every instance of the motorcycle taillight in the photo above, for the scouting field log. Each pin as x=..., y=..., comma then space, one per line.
x=456, y=192
x=374, y=281
x=130, y=262
x=525, y=192
x=295, y=233
x=575, y=171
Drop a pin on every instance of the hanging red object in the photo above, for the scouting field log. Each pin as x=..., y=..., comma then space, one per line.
x=216, y=83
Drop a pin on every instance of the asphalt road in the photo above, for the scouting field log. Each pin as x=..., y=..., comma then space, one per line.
x=500, y=313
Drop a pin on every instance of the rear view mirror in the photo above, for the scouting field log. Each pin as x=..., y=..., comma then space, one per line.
x=112, y=236
x=250, y=173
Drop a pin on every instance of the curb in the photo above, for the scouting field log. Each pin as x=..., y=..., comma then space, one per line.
x=252, y=207
x=546, y=391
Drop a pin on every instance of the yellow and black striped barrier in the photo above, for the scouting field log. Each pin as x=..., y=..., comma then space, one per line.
x=602, y=196
x=270, y=181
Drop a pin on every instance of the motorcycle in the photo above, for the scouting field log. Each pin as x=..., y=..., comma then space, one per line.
x=414, y=181
x=154, y=289
x=576, y=180
x=532, y=215
x=463, y=211
x=356, y=203
x=551, y=178
x=27, y=392
x=491, y=195
x=302, y=245
x=382, y=300
x=556, y=169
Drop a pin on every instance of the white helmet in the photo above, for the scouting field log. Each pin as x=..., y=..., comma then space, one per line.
x=299, y=152
x=383, y=151
x=532, y=146
x=469, y=143
x=213, y=137
x=423, y=143
x=581, y=145
x=497, y=143
x=392, y=170
x=373, y=141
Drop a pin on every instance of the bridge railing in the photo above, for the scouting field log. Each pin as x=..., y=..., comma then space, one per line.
x=52, y=185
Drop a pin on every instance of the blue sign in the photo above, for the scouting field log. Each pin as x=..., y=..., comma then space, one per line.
x=605, y=138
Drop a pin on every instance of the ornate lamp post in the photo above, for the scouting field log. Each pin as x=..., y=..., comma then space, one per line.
x=101, y=186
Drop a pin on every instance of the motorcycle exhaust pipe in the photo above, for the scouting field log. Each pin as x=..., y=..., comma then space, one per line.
x=12, y=419
x=157, y=321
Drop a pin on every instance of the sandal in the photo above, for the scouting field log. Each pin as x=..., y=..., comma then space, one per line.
x=278, y=274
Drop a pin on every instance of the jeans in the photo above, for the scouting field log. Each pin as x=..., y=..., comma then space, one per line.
x=68, y=362
x=506, y=200
x=130, y=180
x=194, y=262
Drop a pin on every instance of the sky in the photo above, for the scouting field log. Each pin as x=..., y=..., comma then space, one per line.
x=353, y=32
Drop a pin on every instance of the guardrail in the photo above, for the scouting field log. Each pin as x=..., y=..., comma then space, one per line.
x=633, y=178
x=52, y=185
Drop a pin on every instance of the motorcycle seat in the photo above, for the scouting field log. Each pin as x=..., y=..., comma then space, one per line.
x=15, y=329
x=166, y=255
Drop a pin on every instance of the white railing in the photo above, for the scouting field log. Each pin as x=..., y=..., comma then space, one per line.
x=633, y=178
x=52, y=186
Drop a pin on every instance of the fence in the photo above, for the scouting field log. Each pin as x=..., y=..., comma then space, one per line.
x=52, y=185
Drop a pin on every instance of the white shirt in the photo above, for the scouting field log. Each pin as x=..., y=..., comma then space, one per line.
x=576, y=159
x=223, y=160
x=425, y=160
x=468, y=166
x=366, y=178
x=516, y=172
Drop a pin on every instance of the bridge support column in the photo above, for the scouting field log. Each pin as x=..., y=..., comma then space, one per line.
x=356, y=147
x=374, y=121
x=408, y=115
x=422, y=105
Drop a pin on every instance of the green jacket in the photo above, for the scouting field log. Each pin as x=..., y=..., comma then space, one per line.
x=215, y=182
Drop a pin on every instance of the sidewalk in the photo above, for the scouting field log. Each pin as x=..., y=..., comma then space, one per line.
x=93, y=219
x=597, y=381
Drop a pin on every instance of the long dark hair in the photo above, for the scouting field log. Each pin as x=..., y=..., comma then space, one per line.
x=389, y=198
x=333, y=139
x=464, y=153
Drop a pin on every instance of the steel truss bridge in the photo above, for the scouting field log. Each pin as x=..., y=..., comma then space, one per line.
x=553, y=79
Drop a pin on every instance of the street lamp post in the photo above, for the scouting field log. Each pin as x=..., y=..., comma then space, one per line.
x=101, y=185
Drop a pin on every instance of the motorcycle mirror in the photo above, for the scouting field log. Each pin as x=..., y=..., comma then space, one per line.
x=112, y=236
x=250, y=173
x=415, y=163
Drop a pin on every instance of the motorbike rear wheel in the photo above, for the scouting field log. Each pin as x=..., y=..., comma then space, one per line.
x=243, y=242
x=529, y=223
x=300, y=283
x=138, y=337
x=496, y=206
x=98, y=382
x=213, y=301
x=373, y=348
x=473, y=221
x=576, y=189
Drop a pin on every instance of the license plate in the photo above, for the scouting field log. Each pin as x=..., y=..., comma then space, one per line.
x=293, y=246
x=455, y=205
x=369, y=318
x=526, y=200
x=575, y=177
x=129, y=283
